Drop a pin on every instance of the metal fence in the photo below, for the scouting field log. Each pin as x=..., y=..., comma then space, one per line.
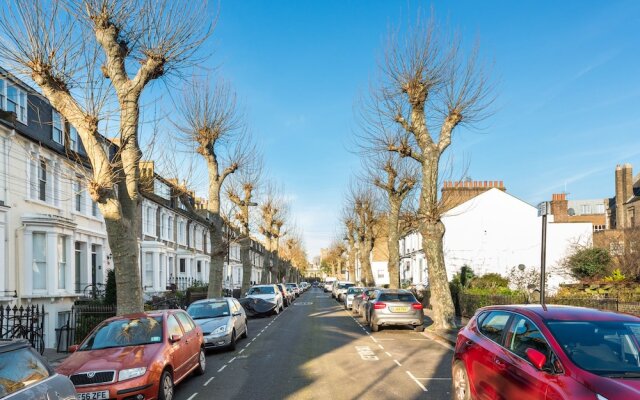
x=181, y=283
x=80, y=321
x=23, y=323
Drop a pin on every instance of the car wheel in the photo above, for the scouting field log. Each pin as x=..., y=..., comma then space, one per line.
x=166, y=387
x=232, y=345
x=418, y=328
x=374, y=327
x=202, y=363
x=246, y=329
x=460, y=383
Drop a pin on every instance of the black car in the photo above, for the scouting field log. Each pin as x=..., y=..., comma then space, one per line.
x=25, y=375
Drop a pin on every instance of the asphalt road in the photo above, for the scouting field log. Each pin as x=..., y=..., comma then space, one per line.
x=317, y=350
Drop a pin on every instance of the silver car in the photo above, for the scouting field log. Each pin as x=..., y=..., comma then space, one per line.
x=25, y=375
x=222, y=320
x=351, y=294
x=395, y=307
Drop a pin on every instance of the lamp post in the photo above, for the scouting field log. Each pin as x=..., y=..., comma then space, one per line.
x=544, y=209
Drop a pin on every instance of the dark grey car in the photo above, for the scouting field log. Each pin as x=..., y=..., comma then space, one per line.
x=395, y=307
x=223, y=321
x=25, y=375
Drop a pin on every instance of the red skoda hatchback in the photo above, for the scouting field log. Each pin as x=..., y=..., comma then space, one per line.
x=551, y=353
x=136, y=356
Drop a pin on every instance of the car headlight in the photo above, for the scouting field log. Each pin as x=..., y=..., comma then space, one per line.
x=220, y=329
x=125, y=374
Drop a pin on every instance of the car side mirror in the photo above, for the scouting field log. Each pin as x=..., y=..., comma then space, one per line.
x=73, y=348
x=175, y=338
x=537, y=358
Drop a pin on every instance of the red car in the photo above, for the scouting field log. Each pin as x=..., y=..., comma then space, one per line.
x=551, y=353
x=136, y=356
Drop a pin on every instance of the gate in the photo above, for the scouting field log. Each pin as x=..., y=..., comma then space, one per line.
x=23, y=323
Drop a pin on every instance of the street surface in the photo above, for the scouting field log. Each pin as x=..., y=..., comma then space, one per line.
x=317, y=350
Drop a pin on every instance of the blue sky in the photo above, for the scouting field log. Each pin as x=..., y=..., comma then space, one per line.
x=567, y=108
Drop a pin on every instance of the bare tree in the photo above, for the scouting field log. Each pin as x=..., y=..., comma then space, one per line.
x=428, y=87
x=241, y=194
x=396, y=179
x=273, y=212
x=61, y=46
x=361, y=202
x=349, y=222
x=211, y=122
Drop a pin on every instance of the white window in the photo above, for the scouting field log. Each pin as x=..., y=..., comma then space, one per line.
x=182, y=232
x=73, y=139
x=161, y=189
x=14, y=100
x=78, y=191
x=94, y=209
x=170, y=228
x=600, y=208
x=4, y=177
x=57, y=128
x=42, y=177
x=62, y=262
x=150, y=221
x=39, y=267
x=148, y=269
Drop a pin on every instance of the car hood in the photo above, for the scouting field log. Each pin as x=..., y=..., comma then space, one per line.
x=116, y=358
x=210, y=324
x=266, y=296
x=615, y=388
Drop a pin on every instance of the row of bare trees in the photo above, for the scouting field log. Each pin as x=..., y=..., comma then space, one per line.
x=93, y=61
x=427, y=90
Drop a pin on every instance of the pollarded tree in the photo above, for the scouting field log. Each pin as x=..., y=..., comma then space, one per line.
x=210, y=122
x=367, y=220
x=273, y=212
x=84, y=53
x=428, y=91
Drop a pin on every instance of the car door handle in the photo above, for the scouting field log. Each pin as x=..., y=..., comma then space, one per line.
x=469, y=342
x=500, y=363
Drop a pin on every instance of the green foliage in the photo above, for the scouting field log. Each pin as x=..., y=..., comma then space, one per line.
x=589, y=263
x=500, y=291
x=616, y=276
x=463, y=278
x=489, y=281
x=111, y=291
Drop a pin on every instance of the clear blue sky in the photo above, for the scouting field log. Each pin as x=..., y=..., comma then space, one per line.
x=568, y=91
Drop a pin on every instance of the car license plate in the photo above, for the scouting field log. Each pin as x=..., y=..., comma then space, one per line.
x=104, y=394
x=399, y=309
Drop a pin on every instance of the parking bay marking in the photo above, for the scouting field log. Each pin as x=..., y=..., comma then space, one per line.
x=424, y=389
x=208, y=380
x=304, y=303
x=192, y=396
x=366, y=353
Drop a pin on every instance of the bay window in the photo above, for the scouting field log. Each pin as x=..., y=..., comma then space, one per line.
x=39, y=266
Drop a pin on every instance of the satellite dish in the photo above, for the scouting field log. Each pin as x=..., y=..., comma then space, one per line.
x=571, y=212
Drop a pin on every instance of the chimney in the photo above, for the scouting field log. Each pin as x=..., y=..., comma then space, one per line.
x=620, y=199
x=560, y=207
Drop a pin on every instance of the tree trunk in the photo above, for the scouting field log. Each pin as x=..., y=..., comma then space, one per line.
x=351, y=260
x=247, y=267
x=219, y=251
x=365, y=264
x=393, y=245
x=123, y=241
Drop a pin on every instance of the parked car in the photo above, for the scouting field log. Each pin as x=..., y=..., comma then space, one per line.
x=293, y=288
x=352, y=292
x=222, y=320
x=316, y=284
x=340, y=289
x=359, y=299
x=287, y=295
x=304, y=286
x=25, y=375
x=270, y=293
x=141, y=355
x=553, y=352
x=395, y=307
x=366, y=304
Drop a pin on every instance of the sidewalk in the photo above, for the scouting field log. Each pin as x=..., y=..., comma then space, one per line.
x=53, y=357
x=447, y=336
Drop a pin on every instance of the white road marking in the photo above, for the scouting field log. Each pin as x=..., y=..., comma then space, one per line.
x=433, y=379
x=262, y=330
x=247, y=345
x=208, y=380
x=232, y=360
x=192, y=396
x=424, y=389
x=223, y=367
x=366, y=353
x=387, y=353
x=240, y=352
x=425, y=340
x=374, y=339
x=381, y=346
x=397, y=362
x=386, y=339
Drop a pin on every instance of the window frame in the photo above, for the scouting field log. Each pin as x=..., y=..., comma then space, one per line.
x=21, y=103
x=55, y=129
x=508, y=334
x=482, y=317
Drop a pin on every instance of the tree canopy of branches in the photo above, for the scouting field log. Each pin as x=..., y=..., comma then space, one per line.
x=81, y=54
x=428, y=89
x=273, y=213
x=361, y=205
x=212, y=124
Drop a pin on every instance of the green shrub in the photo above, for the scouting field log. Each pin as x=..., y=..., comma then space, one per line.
x=111, y=291
x=589, y=263
x=489, y=281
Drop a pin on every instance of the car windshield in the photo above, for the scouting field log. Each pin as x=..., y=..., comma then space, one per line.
x=354, y=290
x=209, y=310
x=402, y=297
x=601, y=347
x=125, y=332
x=345, y=285
x=291, y=286
x=19, y=369
x=261, y=290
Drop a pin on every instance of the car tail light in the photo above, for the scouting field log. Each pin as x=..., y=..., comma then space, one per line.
x=379, y=305
x=416, y=306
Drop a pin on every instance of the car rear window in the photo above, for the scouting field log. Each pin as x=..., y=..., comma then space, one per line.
x=261, y=290
x=353, y=290
x=345, y=285
x=493, y=325
x=401, y=297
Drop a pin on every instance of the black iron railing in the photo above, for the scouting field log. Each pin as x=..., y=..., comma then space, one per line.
x=23, y=323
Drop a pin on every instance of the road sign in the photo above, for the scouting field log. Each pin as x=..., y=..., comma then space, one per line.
x=544, y=208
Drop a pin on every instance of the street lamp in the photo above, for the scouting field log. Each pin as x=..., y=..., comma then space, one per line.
x=544, y=209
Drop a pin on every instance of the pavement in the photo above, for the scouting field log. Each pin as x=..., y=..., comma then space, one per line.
x=316, y=349
x=444, y=336
x=54, y=357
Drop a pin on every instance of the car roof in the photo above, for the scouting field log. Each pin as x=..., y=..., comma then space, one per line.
x=13, y=344
x=553, y=312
